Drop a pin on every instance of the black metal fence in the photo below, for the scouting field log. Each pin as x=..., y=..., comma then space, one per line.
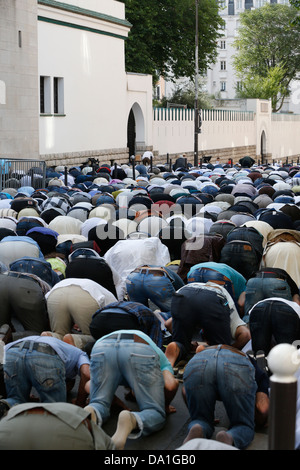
x=19, y=173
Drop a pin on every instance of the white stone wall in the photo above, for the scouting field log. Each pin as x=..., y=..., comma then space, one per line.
x=88, y=56
x=230, y=134
x=18, y=79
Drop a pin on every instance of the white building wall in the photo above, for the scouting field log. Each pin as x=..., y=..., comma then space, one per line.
x=285, y=136
x=215, y=75
x=139, y=99
x=95, y=100
x=220, y=129
x=257, y=130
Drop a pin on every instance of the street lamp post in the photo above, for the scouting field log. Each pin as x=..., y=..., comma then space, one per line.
x=197, y=114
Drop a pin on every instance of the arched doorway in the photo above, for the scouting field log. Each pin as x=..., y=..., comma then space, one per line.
x=263, y=147
x=131, y=134
x=135, y=130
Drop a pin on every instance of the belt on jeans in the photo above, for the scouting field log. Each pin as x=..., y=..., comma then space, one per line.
x=225, y=346
x=40, y=347
x=155, y=272
x=130, y=336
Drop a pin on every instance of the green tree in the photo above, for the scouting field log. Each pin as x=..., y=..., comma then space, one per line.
x=185, y=95
x=270, y=87
x=267, y=54
x=162, y=38
x=296, y=4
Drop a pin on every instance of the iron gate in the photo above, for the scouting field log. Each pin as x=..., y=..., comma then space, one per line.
x=19, y=173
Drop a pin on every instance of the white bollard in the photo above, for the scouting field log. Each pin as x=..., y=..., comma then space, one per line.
x=283, y=361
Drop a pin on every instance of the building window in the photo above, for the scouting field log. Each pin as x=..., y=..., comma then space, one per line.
x=223, y=64
x=222, y=44
x=239, y=4
x=58, y=95
x=248, y=4
x=231, y=7
x=45, y=93
x=157, y=92
x=238, y=86
x=223, y=86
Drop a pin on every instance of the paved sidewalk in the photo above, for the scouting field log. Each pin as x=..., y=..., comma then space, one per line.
x=171, y=437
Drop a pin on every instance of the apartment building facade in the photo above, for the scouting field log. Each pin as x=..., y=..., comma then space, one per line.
x=221, y=80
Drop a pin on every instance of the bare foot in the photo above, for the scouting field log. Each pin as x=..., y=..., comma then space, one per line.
x=224, y=437
x=126, y=424
x=170, y=409
x=172, y=352
x=69, y=339
x=200, y=348
x=196, y=432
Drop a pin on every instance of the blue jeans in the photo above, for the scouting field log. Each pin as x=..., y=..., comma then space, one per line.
x=241, y=256
x=207, y=274
x=117, y=362
x=273, y=321
x=39, y=267
x=261, y=288
x=25, y=368
x=196, y=309
x=147, y=285
x=220, y=374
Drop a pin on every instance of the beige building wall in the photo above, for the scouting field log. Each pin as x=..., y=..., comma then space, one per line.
x=19, y=135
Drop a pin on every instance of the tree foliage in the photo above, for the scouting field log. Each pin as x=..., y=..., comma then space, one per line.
x=270, y=87
x=185, y=95
x=296, y=4
x=162, y=38
x=268, y=52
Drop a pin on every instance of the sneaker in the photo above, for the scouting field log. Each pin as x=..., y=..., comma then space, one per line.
x=262, y=361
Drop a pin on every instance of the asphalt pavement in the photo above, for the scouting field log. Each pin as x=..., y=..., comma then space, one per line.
x=171, y=437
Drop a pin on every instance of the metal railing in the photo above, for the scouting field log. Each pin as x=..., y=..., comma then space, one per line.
x=18, y=173
x=187, y=114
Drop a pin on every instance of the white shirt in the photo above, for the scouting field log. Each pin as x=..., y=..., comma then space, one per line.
x=100, y=294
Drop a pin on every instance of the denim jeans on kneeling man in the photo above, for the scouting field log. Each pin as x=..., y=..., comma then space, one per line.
x=220, y=374
x=124, y=362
